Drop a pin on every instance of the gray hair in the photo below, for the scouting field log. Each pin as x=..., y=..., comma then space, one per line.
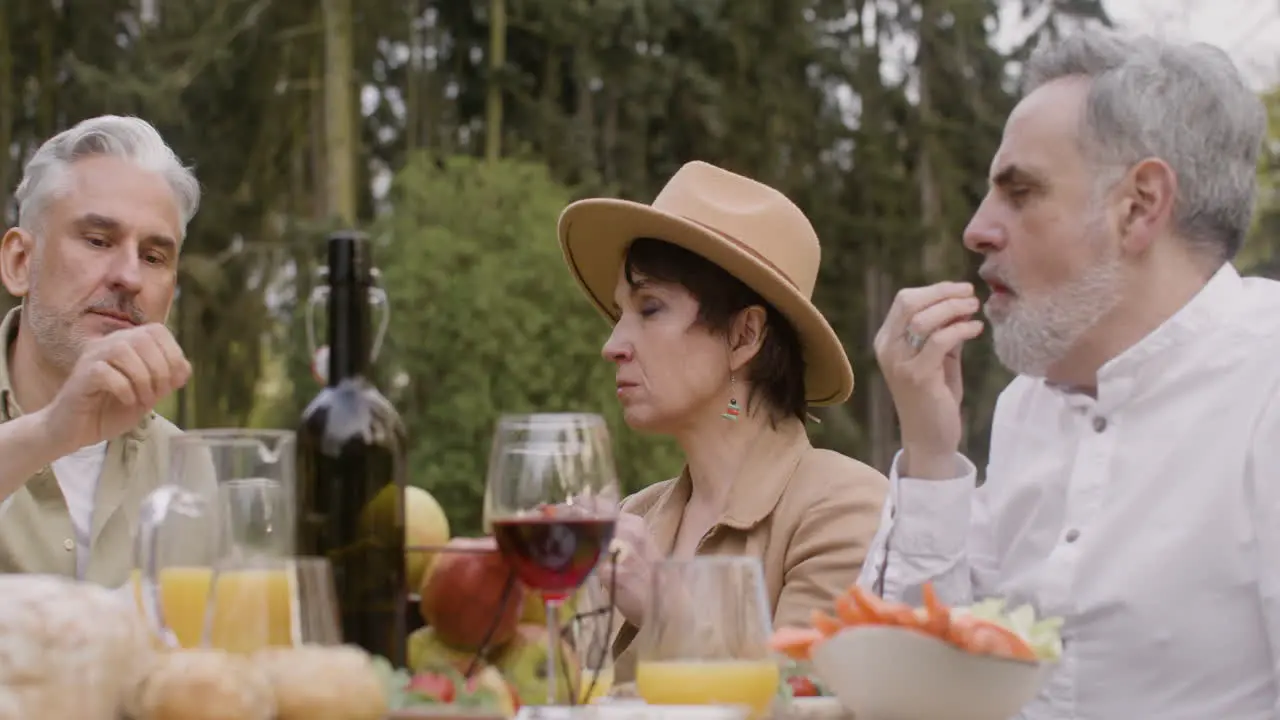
x=1183, y=103
x=129, y=138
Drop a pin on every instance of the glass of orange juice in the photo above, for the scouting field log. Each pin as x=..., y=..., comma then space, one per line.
x=705, y=639
x=245, y=609
x=250, y=608
x=241, y=600
x=216, y=541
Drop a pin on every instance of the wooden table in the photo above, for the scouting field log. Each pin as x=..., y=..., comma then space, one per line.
x=444, y=712
x=824, y=708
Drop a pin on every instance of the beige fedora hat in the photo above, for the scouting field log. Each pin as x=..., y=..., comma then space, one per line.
x=751, y=230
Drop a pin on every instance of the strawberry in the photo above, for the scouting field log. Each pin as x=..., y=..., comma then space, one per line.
x=433, y=686
x=802, y=686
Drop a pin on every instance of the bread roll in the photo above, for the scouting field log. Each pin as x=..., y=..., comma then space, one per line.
x=205, y=685
x=315, y=682
x=68, y=649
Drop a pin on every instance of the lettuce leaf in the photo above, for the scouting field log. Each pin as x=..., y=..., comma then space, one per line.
x=1044, y=635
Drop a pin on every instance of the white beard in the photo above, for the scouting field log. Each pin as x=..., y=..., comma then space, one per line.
x=1032, y=332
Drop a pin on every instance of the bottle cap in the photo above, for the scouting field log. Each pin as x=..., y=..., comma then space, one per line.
x=349, y=258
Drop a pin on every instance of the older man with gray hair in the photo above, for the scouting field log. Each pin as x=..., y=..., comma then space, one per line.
x=102, y=211
x=1133, y=483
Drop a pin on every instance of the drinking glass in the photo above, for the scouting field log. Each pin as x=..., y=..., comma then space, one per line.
x=705, y=638
x=551, y=499
x=226, y=512
x=292, y=605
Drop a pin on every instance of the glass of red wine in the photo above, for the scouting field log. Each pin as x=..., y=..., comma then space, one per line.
x=551, y=501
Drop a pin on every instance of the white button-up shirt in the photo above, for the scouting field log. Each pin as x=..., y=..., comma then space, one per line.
x=1148, y=518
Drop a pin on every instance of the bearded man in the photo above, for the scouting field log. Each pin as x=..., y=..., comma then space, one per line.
x=1133, y=482
x=102, y=210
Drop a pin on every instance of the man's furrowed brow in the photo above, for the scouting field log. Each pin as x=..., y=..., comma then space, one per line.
x=1014, y=174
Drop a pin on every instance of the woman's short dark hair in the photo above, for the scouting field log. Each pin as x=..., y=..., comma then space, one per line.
x=777, y=371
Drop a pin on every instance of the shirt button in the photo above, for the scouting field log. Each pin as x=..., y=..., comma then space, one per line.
x=1072, y=535
x=69, y=544
x=1099, y=423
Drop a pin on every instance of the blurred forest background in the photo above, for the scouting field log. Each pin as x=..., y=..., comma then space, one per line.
x=455, y=133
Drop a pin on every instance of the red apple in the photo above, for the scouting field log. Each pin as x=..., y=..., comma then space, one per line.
x=462, y=595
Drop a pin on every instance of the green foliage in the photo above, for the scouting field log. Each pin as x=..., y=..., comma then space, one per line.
x=1261, y=251
x=486, y=319
x=885, y=144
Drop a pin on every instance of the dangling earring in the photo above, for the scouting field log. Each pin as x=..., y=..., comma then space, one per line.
x=731, y=412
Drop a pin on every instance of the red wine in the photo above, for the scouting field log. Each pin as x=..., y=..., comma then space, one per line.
x=553, y=554
x=351, y=470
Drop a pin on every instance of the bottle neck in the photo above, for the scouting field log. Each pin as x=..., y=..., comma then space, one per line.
x=348, y=331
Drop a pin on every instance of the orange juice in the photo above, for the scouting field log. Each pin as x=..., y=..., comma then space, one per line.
x=753, y=683
x=252, y=608
x=603, y=684
x=184, y=594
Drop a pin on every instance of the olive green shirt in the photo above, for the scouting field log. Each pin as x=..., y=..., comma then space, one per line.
x=36, y=534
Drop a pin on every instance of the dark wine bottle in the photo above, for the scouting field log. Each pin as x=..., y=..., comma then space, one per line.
x=351, y=468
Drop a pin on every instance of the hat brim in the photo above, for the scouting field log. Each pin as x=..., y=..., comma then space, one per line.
x=595, y=234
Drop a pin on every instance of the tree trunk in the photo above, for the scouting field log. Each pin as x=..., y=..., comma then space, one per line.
x=882, y=419
x=936, y=240
x=339, y=112
x=8, y=103
x=497, y=59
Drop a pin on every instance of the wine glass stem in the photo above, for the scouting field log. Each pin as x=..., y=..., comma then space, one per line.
x=553, y=643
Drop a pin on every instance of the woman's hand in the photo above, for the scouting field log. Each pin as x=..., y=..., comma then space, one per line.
x=636, y=554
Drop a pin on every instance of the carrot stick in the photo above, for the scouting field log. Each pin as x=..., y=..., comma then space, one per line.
x=873, y=608
x=938, y=619
x=988, y=638
x=796, y=643
x=902, y=616
x=849, y=612
x=825, y=624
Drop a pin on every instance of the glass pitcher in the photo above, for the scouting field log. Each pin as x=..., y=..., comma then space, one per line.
x=216, y=540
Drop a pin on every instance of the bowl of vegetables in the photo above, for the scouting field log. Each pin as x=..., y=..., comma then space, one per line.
x=890, y=661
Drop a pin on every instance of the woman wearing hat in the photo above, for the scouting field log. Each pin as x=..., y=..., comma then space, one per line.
x=717, y=343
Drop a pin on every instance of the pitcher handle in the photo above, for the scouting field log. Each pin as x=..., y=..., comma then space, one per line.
x=156, y=508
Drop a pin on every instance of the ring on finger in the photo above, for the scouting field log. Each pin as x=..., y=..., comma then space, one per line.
x=915, y=341
x=621, y=547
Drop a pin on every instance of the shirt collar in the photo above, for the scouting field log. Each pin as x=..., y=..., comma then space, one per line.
x=1118, y=376
x=1201, y=313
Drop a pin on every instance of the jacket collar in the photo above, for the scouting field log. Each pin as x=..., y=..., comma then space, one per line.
x=766, y=472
